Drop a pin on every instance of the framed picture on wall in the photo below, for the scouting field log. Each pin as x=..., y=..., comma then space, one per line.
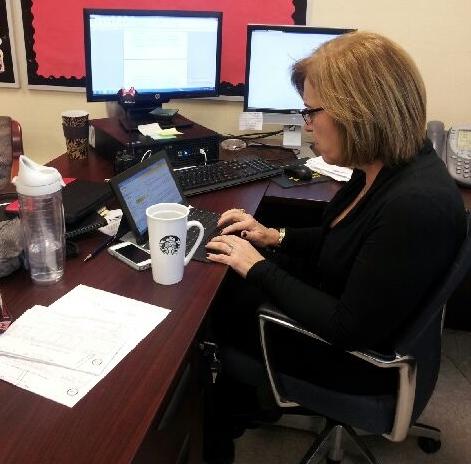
x=8, y=72
x=54, y=35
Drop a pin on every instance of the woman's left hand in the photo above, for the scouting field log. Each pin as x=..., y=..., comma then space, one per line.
x=235, y=252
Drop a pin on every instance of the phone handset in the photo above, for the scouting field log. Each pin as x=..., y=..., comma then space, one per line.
x=437, y=135
x=454, y=147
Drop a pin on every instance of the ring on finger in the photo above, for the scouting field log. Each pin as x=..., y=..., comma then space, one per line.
x=242, y=210
x=231, y=249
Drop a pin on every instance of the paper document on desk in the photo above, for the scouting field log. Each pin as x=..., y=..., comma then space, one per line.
x=113, y=219
x=250, y=120
x=156, y=132
x=336, y=172
x=66, y=340
x=127, y=320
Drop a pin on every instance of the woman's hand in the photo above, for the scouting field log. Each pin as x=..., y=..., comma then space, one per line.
x=235, y=252
x=237, y=221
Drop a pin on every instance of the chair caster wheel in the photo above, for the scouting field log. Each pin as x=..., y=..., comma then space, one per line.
x=429, y=445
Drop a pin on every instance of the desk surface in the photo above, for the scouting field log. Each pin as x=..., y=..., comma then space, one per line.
x=109, y=424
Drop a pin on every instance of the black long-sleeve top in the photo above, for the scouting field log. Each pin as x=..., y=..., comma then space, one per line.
x=355, y=284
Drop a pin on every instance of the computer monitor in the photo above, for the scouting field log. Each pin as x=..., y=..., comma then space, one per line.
x=271, y=52
x=161, y=55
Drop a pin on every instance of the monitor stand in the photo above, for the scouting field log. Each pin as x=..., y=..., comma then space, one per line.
x=134, y=116
x=292, y=127
x=292, y=136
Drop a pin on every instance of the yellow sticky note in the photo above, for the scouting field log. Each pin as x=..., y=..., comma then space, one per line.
x=171, y=131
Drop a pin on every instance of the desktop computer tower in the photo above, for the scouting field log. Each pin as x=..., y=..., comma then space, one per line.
x=197, y=144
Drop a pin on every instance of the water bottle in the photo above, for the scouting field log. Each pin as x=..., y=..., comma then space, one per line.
x=42, y=220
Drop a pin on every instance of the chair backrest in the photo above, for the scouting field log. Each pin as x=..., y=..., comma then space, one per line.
x=434, y=307
x=16, y=139
x=5, y=150
x=16, y=146
x=422, y=338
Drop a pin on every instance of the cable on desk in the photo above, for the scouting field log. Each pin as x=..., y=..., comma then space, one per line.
x=277, y=147
x=146, y=155
x=252, y=136
x=203, y=152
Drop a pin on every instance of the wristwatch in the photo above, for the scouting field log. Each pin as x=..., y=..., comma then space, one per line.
x=282, y=232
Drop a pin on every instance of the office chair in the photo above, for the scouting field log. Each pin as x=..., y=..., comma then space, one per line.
x=16, y=145
x=11, y=145
x=416, y=357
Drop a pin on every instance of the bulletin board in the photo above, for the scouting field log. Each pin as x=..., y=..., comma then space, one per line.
x=8, y=75
x=55, y=46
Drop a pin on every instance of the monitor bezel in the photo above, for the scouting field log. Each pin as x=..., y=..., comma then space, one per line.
x=130, y=172
x=282, y=28
x=149, y=97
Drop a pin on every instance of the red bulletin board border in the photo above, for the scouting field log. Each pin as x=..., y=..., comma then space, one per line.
x=33, y=49
x=7, y=58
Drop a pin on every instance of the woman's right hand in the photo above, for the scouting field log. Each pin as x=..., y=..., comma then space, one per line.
x=237, y=221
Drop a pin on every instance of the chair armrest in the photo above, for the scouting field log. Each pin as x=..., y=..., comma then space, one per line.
x=405, y=364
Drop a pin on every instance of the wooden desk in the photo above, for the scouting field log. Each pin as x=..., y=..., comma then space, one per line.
x=110, y=423
x=128, y=416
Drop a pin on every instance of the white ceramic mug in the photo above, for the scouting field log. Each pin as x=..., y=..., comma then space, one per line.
x=168, y=225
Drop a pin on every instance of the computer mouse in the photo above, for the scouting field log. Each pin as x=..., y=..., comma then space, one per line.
x=299, y=172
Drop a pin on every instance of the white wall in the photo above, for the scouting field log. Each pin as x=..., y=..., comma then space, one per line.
x=436, y=33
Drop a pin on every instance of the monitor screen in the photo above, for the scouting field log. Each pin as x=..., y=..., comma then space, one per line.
x=271, y=52
x=143, y=185
x=161, y=54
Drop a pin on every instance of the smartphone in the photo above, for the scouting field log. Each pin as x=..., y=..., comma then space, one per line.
x=132, y=255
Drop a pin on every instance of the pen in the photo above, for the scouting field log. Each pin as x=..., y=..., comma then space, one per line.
x=100, y=248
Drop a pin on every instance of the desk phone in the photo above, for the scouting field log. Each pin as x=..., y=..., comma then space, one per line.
x=454, y=149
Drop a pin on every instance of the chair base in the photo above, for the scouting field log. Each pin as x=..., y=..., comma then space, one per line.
x=329, y=445
x=429, y=438
x=425, y=431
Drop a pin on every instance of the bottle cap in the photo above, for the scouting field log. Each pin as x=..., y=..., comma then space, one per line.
x=34, y=179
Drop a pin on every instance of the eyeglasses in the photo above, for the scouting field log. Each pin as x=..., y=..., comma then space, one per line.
x=307, y=113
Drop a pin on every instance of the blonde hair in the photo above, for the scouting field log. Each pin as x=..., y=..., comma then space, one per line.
x=374, y=92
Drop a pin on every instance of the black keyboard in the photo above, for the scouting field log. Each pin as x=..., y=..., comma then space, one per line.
x=209, y=221
x=223, y=174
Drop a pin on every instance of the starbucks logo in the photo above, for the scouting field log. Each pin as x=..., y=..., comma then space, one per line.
x=169, y=245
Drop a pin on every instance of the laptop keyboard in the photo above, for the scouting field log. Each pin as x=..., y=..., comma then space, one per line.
x=208, y=219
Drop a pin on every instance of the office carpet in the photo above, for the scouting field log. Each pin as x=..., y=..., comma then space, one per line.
x=449, y=409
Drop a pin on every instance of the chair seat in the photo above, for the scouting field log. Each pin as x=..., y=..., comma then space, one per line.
x=371, y=413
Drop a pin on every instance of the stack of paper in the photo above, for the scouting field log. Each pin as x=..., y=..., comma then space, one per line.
x=63, y=351
x=156, y=132
x=113, y=219
x=336, y=172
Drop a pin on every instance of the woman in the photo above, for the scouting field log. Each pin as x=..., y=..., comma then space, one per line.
x=389, y=234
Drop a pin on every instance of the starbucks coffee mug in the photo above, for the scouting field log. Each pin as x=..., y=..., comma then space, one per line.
x=168, y=225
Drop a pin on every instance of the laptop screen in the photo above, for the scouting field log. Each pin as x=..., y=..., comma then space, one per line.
x=144, y=185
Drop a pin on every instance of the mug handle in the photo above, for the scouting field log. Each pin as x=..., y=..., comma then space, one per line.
x=198, y=240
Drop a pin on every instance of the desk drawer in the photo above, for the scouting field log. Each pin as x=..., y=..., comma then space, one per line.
x=176, y=436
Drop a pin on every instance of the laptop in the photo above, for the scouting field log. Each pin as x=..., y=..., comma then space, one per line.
x=147, y=183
